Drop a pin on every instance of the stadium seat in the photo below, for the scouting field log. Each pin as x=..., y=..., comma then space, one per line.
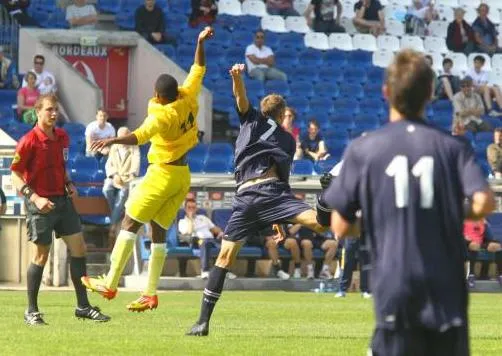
x=335, y=58
x=394, y=28
x=452, y=3
x=484, y=137
x=273, y=23
x=413, y=42
x=102, y=220
x=388, y=43
x=317, y=40
x=359, y=59
x=327, y=90
x=351, y=88
x=85, y=163
x=445, y=13
x=230, y=7
x=277, y=86
x=488, y=61
x=302, y=167
x=459, y=62
x=471, y=13
x=341, y=41
x=82, y=176
x=310, y=57
x=304, y=89
x=364, y=42
x=216, y=164
x=220, y=217
x=325, y=166
x=254, y=8
x=196, y=163
x=435, y=44
x=224, y=149
x=382, y=58
x=292, y=40
x=437, y=61
x=495, y=77
x=438, y=28
x=355, y=75
x=297, y=24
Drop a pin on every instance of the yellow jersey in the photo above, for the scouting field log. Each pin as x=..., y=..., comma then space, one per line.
x=172, y=129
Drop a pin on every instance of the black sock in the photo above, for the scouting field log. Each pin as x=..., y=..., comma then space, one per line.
x=498, y=261
x=34, y=277
x=212, y=293
x=298, y=265
x=77, y=271
x=473, y=257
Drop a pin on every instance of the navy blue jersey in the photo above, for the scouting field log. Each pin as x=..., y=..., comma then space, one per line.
x=261, y=143
x=410, y=180
x=312, y=145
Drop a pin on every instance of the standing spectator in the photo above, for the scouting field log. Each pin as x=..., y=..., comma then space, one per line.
x=370, y=17
x=288, y=125
x=46, y=82
x=98, y=130
x=430, y=62
x=260, y=60
x=281, y=7
x=353, y=253
x=313, y=145
x=468, y=108
x=3, y=203
x=485, y=33
x=26, y=98
x=203, y=12
x=324, y=16
x=18, y=11
x=480, y=80
x=121, y=168
x=8, y=77
x=39, y=174
x=460, y=35
x=447, y=84
x=205, y=231
x=151, y=24
x=81, y=15
x=494, y=153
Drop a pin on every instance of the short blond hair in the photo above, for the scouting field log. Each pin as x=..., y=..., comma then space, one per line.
x=52, y=98
x=273, y=105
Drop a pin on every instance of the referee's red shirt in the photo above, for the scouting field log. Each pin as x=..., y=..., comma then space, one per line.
x=41, y=161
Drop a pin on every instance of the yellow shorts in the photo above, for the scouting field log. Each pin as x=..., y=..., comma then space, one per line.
x=160, y=194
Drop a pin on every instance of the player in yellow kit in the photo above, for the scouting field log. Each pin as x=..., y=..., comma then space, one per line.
x=172, y=130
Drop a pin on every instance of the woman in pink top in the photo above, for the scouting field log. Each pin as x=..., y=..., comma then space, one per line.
x=26, y=98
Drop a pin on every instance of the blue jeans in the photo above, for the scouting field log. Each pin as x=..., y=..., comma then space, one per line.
x=282, y=12
x=116, y=199
x=267, y=73
x=205, y=252
x=353, y=253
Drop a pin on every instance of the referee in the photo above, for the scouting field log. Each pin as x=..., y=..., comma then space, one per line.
x=39, y=173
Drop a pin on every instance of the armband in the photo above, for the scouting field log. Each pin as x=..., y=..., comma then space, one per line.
x=27, y=191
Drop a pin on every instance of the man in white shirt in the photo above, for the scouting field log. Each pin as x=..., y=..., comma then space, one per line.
x=81, y=16
x=98, y=130
x=201, y=227
x=481, y=86
x=46, y=82
x=260, y=60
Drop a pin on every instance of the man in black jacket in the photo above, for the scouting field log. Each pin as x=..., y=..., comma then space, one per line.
x=150, y=23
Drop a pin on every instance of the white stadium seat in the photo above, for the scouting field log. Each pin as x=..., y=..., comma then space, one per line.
x=413, y=42
x=394, y=28
x=452, y=3
x=438, y=28
x=273, y=23
x=494, y=5
x=297, y=24
x=392, y=11
x=435, y=44
x=341, y=41
x=495, y=77
x=382, y=58
x=301, y=6
x=389, y=43
x=254, y=7
x=349, y=26
x=437, y=61
x=364, y=42
x=445, y=13
x=488, y=60
x=459, y=62
x=348, y=9
x=470, y=3
x=497, y=62
x=230, y=7
x=317, y=40
x=470, y=14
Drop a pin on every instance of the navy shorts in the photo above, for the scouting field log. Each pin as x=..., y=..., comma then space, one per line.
x=259, y=206
x=420, y=342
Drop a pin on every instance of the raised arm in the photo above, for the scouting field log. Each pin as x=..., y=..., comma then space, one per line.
x=193, y=82
x=239, y=89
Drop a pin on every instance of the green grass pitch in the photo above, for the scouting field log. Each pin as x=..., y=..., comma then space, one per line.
x=244, y=323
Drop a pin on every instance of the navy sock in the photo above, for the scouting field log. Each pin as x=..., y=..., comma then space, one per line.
x=212, y=293
x=498, y=261
x=473, y=257
x=77, y=271
x=34, y=279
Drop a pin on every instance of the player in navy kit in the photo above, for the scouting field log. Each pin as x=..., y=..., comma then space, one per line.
x=411, y=182
x=263, y=156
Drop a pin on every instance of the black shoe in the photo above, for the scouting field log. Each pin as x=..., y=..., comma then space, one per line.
x=92, y=313
x=199, y=330
x=34, y=319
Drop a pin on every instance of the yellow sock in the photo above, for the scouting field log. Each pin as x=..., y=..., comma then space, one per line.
x=120, y=255
x=155, y=266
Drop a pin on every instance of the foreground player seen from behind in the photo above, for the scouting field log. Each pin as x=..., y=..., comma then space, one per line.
x=263, y=155
x=172, y=130
x=411, y=180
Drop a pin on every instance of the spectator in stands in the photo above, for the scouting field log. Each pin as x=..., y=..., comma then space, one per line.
x=151, y=24
x=98, y=130
x=26, y=98
x=420, y=14
x=458, y=129
x=354, y=253
x=370, y=17
x=260, y=60
x=3, y=203
x=288, y=125
x=18, y=11
x=447, y=84
x=478, y=235
x=205, y=231
x=324, y=16
x=312, y=145
x=460, y=35
x=281, y=7
x=81, y=15
x=487, y=91
x=8, y=77
x=46, y=82
x=122, y=166
x=494, y=153
x=308, y=240
x=203, y=12
x=468, y=108
x=430, y=62
x=485, y=32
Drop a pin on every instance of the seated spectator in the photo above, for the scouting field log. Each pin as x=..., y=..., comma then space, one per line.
x=312, y=145
x=3, y=203
x=485, y=33
x=206, y=235
x=203, y=12
x=260, y=60
x=494, y=153
x=281, y=7
x=481, y=86
x=430, y=62
x=419, y=16
x=478, y=235
x=370, y=17
x=121, y=168
x=18, y=10
x=46, y=82
x=308, y=240
x=324, y=16
x=81, y=15
x=8, y=77
x=98, y=130
x=26, y=99
x=447, y=84
x=287, y=124
x=354, y=253
x=151, y=25
x=460, y=36
x=468, y=108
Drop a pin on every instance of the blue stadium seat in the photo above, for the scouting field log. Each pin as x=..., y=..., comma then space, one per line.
x=109, y=6
x=308, y=74
x=74, y=128
x=303, y=89
x=218, y=165
x=242, y=39
x=125, y=20
x=485, y=167
x=286, y=57
x=223, y=39
x=99, y=176
x=299, y=103
x=302, y=167
x=95, y=191
x=292, y=40
x=220, y=217
x=484, y=137
x=442, y=106
x=327, y=90
x=221, y=149
x=360, y=58
x=85, y=163
x=168, y=50
x=277, y=86
x=201, y=151
x=255, y=86
x=337, y=133
x=375, y=75
x=223, y=103
x=236, y=54
x=181, y=6
x=351, y=90
x=82, y=176
x=311, y=57
x=272, y=39
x=196, y=164
x=335, y=58
x=102, y=220
x=331, y=74
x=374, y=107
x=325, y=166
x=355, y=75
x=249, y=23
x=346, y=106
